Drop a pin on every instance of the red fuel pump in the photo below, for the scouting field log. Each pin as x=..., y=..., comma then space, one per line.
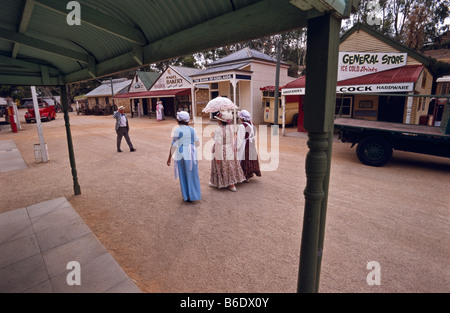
x=12, y=119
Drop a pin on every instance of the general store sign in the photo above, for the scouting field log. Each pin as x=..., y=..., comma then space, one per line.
x=378, y=88
x=354, y=64
x=170, y=80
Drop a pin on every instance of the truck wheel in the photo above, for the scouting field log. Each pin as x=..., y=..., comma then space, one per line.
x=295, y=120
x=374, y=151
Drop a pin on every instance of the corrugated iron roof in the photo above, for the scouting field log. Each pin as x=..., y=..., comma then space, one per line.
x=241, y=55
x=40, y=46
x=186, y=72
x=155, y=93
x=148, y=78
x=105, y=88
x=224, y=68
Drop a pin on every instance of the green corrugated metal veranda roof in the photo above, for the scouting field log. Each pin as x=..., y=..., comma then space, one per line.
x=42, y=42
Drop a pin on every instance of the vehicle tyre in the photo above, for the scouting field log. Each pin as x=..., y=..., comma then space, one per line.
x=374, y=151
x=295, y=120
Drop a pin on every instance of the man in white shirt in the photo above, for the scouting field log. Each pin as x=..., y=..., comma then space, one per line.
x=122, y=128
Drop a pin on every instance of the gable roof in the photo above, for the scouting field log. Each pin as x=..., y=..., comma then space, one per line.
x=388, y=40
x=224, y=68
x=242, y=55
x=148, y=78
x=104, y=90
x=186, y=72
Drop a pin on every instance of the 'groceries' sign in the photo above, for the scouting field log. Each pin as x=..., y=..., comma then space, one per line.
x=354, y=64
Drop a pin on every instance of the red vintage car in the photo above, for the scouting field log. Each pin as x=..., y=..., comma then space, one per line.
x=47, y=111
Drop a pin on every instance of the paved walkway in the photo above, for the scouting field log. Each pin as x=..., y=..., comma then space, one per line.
x=10, y=157
x=37, y=244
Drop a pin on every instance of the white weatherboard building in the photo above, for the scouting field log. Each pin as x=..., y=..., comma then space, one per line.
x=239, y=76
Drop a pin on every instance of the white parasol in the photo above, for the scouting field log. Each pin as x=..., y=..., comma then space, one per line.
x=219, y=104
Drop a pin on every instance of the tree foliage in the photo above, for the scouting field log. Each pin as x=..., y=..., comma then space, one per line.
x=414, y=23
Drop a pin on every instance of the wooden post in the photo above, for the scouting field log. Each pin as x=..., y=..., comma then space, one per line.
x=319, y=106
x=65, y=106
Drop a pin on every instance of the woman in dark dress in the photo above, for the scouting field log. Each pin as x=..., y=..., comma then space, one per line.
x=246, y=146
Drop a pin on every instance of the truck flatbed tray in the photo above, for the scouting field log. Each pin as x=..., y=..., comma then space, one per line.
x=392, y=127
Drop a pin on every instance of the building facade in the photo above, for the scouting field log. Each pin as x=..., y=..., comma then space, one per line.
x=239, y=76
x=173, y=88
x=100, y=100
x=375, y=76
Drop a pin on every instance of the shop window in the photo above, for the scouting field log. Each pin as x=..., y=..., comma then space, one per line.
x=424, y=80
x=343, y=106
x=366, y=104
x=445, y=88
x=269, y=93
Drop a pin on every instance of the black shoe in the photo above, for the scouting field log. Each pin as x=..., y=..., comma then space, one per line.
x=118, y=150
x=132, y=150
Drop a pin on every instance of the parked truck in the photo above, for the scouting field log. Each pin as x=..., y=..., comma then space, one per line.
x=377, y=140
x=47, y=111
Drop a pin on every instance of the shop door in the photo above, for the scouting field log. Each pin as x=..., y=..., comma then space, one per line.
x=301, y=114
x=169, y=106
x=438, y=113
x=391, y=109
x=153, y=100
x=145, y=106
x=214, y=94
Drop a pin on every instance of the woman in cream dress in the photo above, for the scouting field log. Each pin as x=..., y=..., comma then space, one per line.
x=225, y=168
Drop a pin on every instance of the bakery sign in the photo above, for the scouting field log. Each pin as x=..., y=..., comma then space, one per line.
x=354, y=64
x=170, y=80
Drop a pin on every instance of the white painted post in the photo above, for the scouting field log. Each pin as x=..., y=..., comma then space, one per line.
x=409, y=110
x=39, y=125
x=283, y=105
x=16, y=116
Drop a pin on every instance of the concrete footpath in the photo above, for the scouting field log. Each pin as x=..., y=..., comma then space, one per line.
x=39, y=242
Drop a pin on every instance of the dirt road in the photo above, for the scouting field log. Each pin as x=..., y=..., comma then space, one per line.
x=247, y=241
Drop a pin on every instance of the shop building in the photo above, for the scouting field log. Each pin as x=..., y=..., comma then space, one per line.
x=99, y=100
x=438, y=104
x=138, y=104
x=173, y=88
x=239, y=77
x=373, y=70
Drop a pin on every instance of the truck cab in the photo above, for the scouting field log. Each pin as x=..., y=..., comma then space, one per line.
x=47, y=111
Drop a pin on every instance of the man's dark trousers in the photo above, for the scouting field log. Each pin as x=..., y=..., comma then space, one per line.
x=123, y=132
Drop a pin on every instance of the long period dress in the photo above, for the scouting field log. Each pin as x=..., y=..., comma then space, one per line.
x=159, y=111
x=246, y=149
x=228, y=171
x=184, y=144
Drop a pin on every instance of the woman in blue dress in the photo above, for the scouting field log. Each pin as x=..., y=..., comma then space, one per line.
x=184, y=152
